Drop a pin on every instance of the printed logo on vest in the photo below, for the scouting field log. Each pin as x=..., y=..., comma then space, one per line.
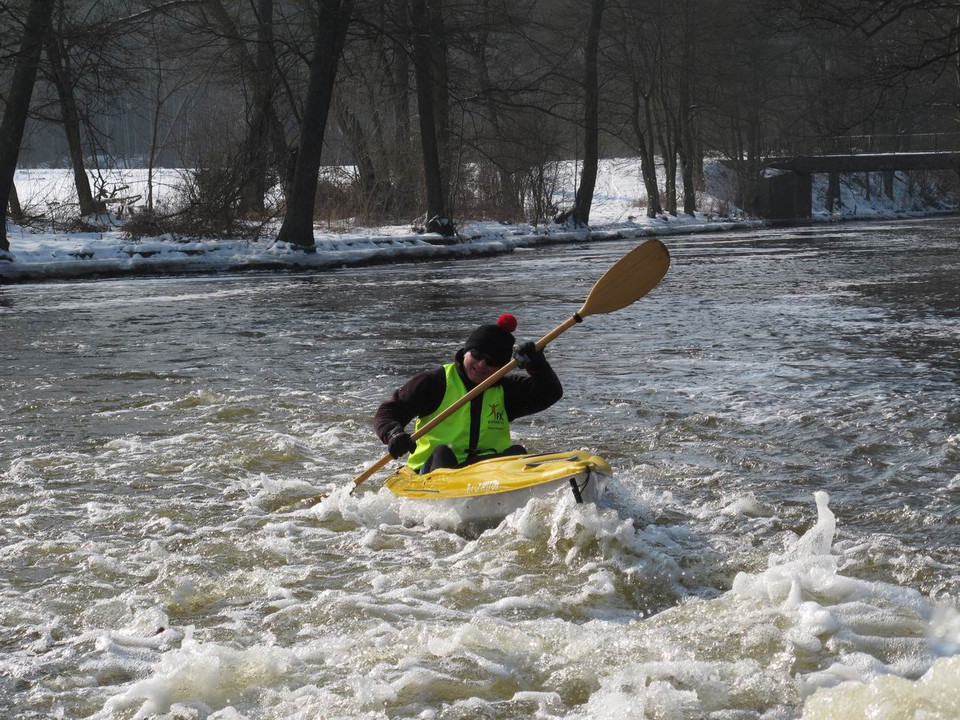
x=495, y=414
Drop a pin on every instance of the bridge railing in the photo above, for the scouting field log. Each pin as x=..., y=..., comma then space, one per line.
x=871, y=144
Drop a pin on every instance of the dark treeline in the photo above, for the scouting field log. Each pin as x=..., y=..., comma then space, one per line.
x=448, y=108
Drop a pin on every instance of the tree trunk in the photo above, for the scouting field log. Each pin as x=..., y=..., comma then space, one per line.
x=154, y=131
x=63, y=81
x=648, y=167
x=329, y=35
x=833, y=192
x=752, y=168
x=401, y=165
x=755, y=130
x=668, y=134
x=688, y=152
x=509, y=195
x=745, y=184
x=423, y=55
x=670, y=163
x=591, y=119
x=253, y=185
x=356, y=140
x=689, y=155
x=265, y=128
x=687, y=175
x=441, y=94
x=18, y=103
x=16, y=212
x=401, y=87
x=668, y=150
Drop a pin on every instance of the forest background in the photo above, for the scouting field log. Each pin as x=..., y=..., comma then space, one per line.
x=435, y=111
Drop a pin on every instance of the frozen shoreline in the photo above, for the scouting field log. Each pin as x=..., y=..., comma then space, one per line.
x=618, y=214
x=52, y=257
x=46, y=256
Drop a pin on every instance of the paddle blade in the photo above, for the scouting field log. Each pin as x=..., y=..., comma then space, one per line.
x=629, y=279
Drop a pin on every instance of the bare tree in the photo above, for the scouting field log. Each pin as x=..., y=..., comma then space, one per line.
x=332, y=22
x=504, y=90
x=18, y=102
x=580, y=213
x=255, y=70
x=687, y=147
x=644, y=127
x=256, y=147
x=630, y=62
x=62, y=77
x=429, y=53
x=170, y=79
x=495, y=146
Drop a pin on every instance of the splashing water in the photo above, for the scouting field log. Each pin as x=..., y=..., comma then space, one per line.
x=157, y=435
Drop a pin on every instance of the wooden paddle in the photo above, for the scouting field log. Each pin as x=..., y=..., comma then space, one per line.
x=628, y=280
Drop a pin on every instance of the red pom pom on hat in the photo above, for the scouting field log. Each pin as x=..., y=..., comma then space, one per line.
x=508, y=322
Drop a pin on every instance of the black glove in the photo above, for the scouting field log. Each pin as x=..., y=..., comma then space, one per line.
x=527, y=356
x=400, y=443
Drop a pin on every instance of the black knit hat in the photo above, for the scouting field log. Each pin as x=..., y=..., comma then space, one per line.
x=494, y=341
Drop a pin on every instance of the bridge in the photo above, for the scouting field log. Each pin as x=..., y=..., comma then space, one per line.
x=786, y=194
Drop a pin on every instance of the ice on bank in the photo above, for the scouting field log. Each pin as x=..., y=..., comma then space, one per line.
x=618, y=211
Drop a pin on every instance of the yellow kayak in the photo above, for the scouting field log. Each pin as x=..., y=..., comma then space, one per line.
x=489, y=490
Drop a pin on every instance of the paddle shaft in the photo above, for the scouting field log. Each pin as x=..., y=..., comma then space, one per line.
x=478, y=390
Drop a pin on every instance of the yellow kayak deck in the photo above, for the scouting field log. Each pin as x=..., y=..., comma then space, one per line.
x=497, y=475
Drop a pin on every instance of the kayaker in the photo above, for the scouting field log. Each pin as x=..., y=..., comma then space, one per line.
x=481, y=428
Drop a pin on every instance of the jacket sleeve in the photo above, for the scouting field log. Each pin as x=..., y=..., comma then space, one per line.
x=526, y=395
x=419, y=396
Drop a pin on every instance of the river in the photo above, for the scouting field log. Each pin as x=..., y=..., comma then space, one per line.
x=779, y=540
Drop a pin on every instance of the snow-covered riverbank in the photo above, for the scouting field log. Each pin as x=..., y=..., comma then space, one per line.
x=44, y=256
x=618, y=212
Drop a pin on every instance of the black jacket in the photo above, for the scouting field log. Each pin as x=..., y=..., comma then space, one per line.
x=422, y=394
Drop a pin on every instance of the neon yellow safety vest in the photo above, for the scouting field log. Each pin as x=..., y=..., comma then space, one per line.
x=455, y=430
